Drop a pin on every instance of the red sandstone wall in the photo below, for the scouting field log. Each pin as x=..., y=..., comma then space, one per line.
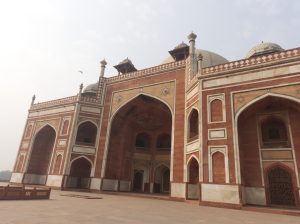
x=249, y=152
x=295, y=126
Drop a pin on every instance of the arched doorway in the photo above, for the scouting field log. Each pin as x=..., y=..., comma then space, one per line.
x=193, y=179
x=280, y=187
x=80, y=174
x=193, y=169
x=266, y=129
x=138, y=181
x=162, y=180
x=40, y=156
x=134, y=131
x=166, y=181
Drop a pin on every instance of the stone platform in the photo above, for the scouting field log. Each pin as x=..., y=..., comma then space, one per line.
x=80, y=207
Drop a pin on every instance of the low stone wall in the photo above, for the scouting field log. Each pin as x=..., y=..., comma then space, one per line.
x=23, y=193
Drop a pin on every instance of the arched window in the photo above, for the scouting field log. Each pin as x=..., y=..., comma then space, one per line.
x=274, y=133
x=57, y=164
x=218, y=166
x=193, y=169
x=193, y=125
x=65, y=127
x=86, y=134
x=216, y=111
x=142, y=141
x=163, y=141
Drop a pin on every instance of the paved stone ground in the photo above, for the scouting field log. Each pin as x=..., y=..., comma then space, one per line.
x=124, y=209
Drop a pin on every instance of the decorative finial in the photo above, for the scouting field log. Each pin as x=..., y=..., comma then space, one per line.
x=192, y=36
x=80, y=87
x=103, y=63
x=33, y=99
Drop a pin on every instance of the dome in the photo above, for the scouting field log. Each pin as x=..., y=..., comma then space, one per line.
x=264, y=48
x=209, y=58
x=92, y=88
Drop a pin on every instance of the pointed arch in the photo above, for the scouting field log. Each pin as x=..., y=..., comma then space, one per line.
x=161, y=178
x=236, y=131
x=43, y=126
x=57, y=164
x=163, y=141
x=278, y=175
x=216, y=110
x=86, y=133
x=263, y=97
x=141, y=94
x=193, y=170
x=79, y=157
x=80, y=173
x=142, y=140
x=218, y=167
x=193, y=124
x=41, y=151
x=112, y=117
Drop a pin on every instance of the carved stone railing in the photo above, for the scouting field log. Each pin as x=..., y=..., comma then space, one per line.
x=87, y=99
x=51, y=103
x=251, y=61
x=147, y=71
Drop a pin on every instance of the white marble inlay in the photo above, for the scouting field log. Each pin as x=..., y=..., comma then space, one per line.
x=91, y=109
x=84, y=149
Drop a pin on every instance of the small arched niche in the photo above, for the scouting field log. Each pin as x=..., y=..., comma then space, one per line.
x=86, y=134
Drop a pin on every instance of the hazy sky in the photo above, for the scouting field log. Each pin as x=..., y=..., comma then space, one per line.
x=43, y=44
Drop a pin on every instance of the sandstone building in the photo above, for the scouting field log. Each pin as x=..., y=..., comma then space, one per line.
x=196, y=126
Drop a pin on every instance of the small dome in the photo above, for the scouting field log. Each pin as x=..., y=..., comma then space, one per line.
x=209, y=58
x=264, y=48
x=92, y=88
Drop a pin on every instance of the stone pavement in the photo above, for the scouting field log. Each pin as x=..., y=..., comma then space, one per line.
x=123, y=209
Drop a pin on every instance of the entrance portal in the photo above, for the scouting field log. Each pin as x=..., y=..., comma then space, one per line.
x=281, y=189
x=162, y=180
x=140, y=140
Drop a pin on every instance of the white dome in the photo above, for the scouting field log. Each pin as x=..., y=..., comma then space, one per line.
x=92, y=88
x=264, y=48
x=209, y=58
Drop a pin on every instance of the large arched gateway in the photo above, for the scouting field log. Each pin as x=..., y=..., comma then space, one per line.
x=140, y=141
x=40, y=157
x=268, y=144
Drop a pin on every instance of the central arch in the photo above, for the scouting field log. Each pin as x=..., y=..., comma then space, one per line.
x=140, y=138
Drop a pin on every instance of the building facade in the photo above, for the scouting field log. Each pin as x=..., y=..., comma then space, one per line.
x=195, y=127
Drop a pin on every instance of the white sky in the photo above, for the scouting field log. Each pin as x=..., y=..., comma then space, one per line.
x=43, y=44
